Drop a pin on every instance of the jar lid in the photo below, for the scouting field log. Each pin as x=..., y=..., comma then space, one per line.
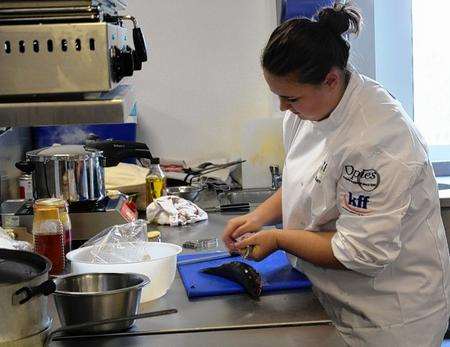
x=51, y=202
x=64, y=152
x=46, y=212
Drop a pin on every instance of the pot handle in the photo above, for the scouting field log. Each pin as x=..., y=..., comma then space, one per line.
x=45, y=288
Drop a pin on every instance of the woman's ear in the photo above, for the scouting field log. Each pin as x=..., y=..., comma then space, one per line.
x=332, y=78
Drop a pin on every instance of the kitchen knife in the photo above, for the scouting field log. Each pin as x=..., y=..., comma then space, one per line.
x=221, y=255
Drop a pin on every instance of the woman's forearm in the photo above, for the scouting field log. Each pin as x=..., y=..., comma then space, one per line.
x=270, y=212
x=314, y=247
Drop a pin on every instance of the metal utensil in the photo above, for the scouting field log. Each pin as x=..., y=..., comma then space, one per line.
x=191, y=174
x=185, y=192
x=220, y=255
x=201, y=244
x=85, y=326
x=248, y=251
x=201, y=329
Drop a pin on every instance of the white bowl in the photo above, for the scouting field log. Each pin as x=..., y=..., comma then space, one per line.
x=161, y=268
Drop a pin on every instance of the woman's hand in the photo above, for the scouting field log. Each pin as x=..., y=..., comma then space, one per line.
x=263, y=244
x=238, y=226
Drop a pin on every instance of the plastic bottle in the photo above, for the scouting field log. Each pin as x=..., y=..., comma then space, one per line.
x=155, y=182
x=48, y=236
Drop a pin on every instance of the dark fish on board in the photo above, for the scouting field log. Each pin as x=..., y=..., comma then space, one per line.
x=241, y=273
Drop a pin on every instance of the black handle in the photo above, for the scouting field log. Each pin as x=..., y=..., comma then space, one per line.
x=137, y=62
x=140, y=45
x=235, y=207
x=46, y=288
x=238, y=207
x=25, y=166
x=115, y=151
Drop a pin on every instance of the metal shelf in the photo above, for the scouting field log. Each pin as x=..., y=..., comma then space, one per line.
x=116, y=106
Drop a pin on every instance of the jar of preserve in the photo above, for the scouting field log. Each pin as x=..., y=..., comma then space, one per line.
x=62, y=206
x=48, y=236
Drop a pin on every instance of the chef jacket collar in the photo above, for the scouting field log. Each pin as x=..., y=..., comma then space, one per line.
x=338, y=115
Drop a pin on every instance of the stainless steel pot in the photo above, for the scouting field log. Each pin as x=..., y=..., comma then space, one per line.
x=24, y=285
x=94, y=297
x=70, y=172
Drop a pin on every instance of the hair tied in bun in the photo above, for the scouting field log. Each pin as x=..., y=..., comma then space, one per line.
x=340, y=19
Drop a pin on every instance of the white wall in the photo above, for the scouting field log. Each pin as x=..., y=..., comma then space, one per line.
x=393, y=49
x=362, y=53
x=383, y=51
x=203, y=85
x=203, y=79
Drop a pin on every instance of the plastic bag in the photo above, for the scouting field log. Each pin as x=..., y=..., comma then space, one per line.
x=123, y=243
x=6, y=241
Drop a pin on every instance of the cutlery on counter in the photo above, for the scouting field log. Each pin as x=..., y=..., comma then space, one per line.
x=241, y=207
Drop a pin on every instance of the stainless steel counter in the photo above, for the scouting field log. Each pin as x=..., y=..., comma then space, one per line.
x=293, y=308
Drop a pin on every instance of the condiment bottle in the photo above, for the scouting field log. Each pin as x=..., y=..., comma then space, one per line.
x=26, y=187
x=48, y=236
x=155, y=182
x=62, y=206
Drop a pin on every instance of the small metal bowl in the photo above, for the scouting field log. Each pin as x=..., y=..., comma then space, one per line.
x=186, y=192
x=92, y=297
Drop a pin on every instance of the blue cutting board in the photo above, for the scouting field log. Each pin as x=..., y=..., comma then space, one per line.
x=276, y=273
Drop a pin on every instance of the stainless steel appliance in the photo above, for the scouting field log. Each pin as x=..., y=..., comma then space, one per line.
x=59, y=47
x=63, y=62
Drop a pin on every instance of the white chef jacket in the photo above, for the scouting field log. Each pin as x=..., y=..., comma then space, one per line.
x=364, y=172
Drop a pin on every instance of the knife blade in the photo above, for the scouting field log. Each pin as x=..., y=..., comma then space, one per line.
x=222, y=255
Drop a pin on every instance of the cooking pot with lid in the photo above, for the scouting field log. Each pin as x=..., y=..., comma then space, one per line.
x=76, y=173
x=24, y=286
x=70, y=172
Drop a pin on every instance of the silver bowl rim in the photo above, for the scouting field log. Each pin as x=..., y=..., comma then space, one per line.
x=145, y=280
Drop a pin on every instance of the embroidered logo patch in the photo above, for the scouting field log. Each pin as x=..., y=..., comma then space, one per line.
x=357, y=204
x=367, y=179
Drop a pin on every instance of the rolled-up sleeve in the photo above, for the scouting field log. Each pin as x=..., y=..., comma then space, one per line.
x=374, y=194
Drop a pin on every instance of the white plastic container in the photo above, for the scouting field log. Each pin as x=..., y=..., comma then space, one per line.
x=161, y=268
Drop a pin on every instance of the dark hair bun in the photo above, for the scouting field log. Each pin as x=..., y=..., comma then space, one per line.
x=340, y=19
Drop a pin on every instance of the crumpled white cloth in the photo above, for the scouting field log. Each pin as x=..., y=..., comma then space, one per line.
x=174, y=211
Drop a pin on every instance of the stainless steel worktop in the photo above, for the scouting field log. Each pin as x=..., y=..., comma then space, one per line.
x=294, y=308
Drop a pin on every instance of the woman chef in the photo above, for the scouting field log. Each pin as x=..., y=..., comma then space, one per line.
x=359, y=201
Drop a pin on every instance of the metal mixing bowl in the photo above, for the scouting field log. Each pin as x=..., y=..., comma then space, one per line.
x=185, y=192
x=97, y=296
